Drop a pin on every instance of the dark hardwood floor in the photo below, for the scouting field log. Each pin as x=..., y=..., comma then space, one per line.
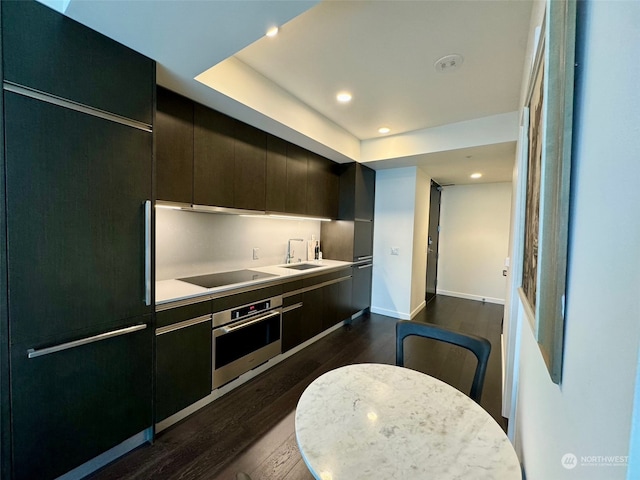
x=251, y=429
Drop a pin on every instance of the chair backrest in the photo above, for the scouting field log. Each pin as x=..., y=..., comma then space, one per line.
x=480, y=347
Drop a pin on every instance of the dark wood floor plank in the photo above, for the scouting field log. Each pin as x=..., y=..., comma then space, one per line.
x=260, y=451
x=251, y=429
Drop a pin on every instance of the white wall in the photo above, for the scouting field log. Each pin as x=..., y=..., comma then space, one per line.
x=590, y=414
x=193, y=243
x=393, y=228
x=420, y=235
x=474, y=241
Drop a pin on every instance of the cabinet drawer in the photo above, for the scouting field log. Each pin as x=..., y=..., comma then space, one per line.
x=292, y=286
x=72, y=405
x=291, y=300
x=308, y=282
x=180, y=314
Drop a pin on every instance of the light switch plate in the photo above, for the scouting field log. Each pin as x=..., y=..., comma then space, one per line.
x=395, y=251
x=255, y=253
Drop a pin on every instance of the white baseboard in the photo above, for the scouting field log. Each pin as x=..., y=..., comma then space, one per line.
x=399, y=315
x=419, y=308
x=479, y=298
x=391, y=313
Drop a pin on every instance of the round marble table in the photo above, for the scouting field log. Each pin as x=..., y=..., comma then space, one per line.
x=372, y=421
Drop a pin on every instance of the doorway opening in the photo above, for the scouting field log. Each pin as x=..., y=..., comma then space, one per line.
x=432, y=241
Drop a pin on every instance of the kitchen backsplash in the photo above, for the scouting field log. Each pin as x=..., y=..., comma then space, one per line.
x=194, y=243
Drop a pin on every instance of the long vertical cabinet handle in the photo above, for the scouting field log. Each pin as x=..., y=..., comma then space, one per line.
x=147, y=252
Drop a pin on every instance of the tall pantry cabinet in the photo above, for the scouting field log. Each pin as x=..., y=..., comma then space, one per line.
x=76, y=259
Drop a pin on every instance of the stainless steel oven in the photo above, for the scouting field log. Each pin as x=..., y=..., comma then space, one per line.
x=245, y=337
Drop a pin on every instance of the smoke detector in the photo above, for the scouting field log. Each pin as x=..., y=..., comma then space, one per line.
x=449, y=63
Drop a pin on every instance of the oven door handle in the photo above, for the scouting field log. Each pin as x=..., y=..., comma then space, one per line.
x=250, y=322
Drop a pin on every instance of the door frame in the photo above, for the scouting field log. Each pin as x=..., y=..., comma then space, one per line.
x=438, y=187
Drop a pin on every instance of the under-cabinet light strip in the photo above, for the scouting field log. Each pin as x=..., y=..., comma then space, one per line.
x=287, y=217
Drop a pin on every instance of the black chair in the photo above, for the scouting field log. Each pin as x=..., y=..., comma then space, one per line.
x=480, y=347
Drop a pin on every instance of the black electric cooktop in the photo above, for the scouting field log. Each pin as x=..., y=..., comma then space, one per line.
x=226, y=278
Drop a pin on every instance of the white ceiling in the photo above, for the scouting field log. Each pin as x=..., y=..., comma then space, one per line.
x=384, y=53
x=381, y=51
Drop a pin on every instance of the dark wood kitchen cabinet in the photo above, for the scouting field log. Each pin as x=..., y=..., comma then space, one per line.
x=362, y=240
x=293, y=333
x=310, y=312
x=173, y=130
x=313, y=311
x=78, y=153
x=51, y=53
x=221, y=162
x=351, y=238
x=229, y=162
x=250, y=167
x=322, y=187
x=183, y=365
x=362, y=276
x=338, y=302
x=357, y=192
x=71, y=405
x=214, y=158
x=347, y=240
x=296, y=186
x=276, y=174
x=76, y=188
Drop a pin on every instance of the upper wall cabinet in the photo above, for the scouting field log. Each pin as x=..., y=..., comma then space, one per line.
x=229, y=161
x=299, y=181
x=61, y=58
x=207, y=158
x=357, y=192
x=276, y=180
x=322, y=187
x=250, y=167
x=213, y=161
x=174, y=147
x=296, y=186
x=352, y=238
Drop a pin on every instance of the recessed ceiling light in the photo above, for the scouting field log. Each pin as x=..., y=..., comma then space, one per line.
x=384, y=130
x=344, y=97
x=476, y=175
x=272, y=32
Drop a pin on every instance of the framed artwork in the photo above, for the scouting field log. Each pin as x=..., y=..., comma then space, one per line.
x=548, y=167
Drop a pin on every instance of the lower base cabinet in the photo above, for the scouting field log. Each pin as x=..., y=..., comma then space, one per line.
x=183, y=365
x=337, y=301
x=362, y=276
x=71, y=405
x=292, y=322
x=307, y=314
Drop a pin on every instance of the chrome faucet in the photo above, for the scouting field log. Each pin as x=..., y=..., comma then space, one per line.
x=290, y=251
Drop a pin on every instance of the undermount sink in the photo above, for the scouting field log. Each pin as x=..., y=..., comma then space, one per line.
x=303, y=266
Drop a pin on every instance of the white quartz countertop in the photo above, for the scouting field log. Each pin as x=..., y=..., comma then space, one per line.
x=174, y=290
x=381, y=421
